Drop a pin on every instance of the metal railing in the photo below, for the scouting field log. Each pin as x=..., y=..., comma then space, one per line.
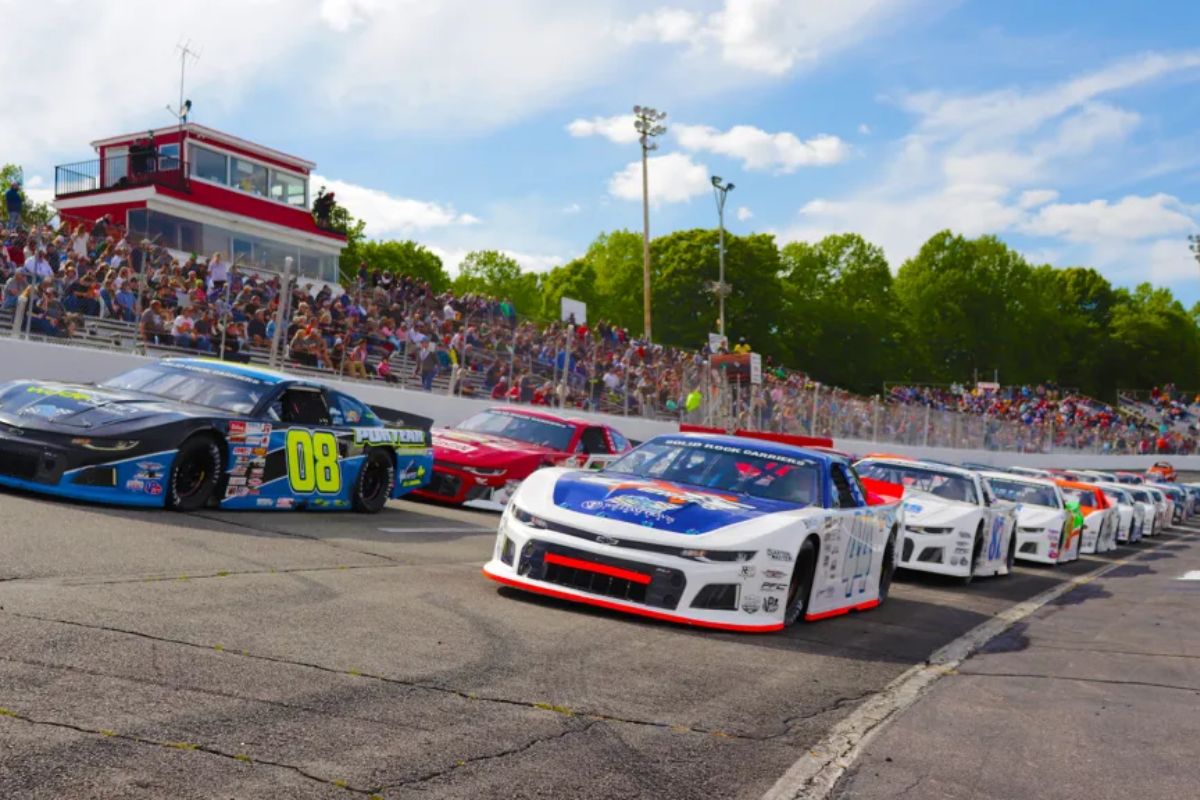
x=119, y=172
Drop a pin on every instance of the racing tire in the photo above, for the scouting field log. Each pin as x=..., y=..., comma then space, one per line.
x=375, y=482
x=195, y=474
x=801, y=585
x=976, y=552
x=887, y=569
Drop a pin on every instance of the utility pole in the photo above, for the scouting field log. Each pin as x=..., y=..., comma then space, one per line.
x=721, y=289
x=647, y=122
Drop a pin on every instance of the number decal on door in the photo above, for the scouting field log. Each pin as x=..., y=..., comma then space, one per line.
x=312, y=461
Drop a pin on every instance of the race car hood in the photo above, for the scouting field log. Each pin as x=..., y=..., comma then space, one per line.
x=489, y=451
x=74, y=408
x=661, y=505
x=930, y=511
x=1039, y=517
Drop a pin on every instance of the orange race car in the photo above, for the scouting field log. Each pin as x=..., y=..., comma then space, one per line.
x=1098, y=534
x=1162, y=471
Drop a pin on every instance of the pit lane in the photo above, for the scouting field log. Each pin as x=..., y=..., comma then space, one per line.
x=146, y=654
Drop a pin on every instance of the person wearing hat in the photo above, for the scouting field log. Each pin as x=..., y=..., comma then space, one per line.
x=14, y=203
x=742, y=346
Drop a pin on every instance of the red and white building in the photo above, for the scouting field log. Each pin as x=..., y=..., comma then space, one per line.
x=198, y=190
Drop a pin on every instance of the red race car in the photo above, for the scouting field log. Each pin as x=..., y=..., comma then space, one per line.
x=481, y=461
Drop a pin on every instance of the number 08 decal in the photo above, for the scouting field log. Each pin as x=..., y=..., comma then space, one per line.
x=312, y=462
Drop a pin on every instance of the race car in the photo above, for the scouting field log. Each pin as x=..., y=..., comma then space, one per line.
x=1164, y=505
x=708, y=530
x=481, y=461
x=1099, y=516
x=1129, y=512
x=1046, y=531
x=952, y=525
x=1144, y=501
x=1180, y=501
x=187, y=433
x=1161, y=470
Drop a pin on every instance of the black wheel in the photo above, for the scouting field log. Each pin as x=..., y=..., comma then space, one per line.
x=1011, y=559
x=976, y=552
x=375, y=480
x=802, y=582
x=888, y=569
x=195, y=474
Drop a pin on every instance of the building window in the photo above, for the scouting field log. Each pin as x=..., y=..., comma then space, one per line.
x=249, y=177
x=287, y=188
x=209, y=165
x=168, y=156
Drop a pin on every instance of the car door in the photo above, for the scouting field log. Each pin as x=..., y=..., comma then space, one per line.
x=315, y=442
x=863, y=552
x=997, y=527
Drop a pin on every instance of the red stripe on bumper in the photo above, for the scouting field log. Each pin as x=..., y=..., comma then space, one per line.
x=641, y=612
x=837, y=612
x=602, y=569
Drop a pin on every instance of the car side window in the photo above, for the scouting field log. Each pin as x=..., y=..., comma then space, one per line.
x=350, y=411
x=619, y=443
x=844, y=489
x=305, y=407
x=593, y=441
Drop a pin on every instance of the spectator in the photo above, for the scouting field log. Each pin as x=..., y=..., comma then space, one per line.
x=184, y=331
x=427, y=364
x=14, y=204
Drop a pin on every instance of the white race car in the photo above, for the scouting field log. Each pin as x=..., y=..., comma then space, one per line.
x=953, y=524
x=1100, y=518
x=1045, y=526
x=1145, y=501
x=715, y=531
x=1163, y=504
x=1129, y=512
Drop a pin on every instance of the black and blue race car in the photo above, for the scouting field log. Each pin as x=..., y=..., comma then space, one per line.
x=188, y=433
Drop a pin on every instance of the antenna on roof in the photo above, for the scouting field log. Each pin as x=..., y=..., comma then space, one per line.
x=185, y=106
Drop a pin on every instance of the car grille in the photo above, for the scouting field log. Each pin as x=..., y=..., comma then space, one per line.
x=621, y=579
x=443, y=484
x=18, y=463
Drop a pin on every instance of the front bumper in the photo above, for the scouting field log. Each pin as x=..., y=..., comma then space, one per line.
x=40, y=465
x=453, y=485
x=724, y=595
x=1040, y=546
x=939, y=553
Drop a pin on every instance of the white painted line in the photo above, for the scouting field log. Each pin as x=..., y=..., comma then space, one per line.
x=1194, y=575
x=436, y=530
x=815, y=773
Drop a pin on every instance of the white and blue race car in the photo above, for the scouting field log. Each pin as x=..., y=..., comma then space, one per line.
x=715, y=531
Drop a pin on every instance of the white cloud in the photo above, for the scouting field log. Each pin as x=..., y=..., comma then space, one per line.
x=618, y=129
x=452, y=258
x=1131, y=217
x=995, y=163
x=758, y=149
x=38, y=190
x=572, y=208
x=771, y=37
x=1033, y=198
x=388, y=215
x=744, y=213
x=673, y=178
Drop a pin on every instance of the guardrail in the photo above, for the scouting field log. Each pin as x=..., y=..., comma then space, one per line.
x=120, y=172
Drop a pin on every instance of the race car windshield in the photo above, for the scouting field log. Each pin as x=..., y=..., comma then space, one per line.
x=767, y=475
x=543, y=432
x=1027, y=493
x=946, y=485
x=203, y=387
x=1081, y=496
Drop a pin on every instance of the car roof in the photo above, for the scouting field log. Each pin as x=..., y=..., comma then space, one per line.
x=1091, y=487
x=1017, y=477
x=914, y=462
x=529, y=412
x=759, y=445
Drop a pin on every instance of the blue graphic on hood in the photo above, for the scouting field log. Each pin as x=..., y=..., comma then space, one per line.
x=661, y=505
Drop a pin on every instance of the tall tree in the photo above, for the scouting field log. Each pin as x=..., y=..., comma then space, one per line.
x=576, y=280
x=404, y=258
x=493, y=273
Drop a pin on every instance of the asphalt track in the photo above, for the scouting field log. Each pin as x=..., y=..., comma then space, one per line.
x=151, y=655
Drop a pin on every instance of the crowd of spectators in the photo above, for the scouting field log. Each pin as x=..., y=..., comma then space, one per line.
x=396, y=328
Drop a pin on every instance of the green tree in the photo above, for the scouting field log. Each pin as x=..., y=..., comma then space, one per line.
x=403, y=258
x=1154, y=339
x=616, y=260
x=493, y=273
x=843, y=325
x=576, y=280
x=32, y=213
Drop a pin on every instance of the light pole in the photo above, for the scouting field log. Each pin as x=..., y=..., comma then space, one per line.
x=648, y=122
x=721, y=288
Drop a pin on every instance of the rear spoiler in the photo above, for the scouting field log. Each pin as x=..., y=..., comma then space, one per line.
x=782, y=438
x=405, y=419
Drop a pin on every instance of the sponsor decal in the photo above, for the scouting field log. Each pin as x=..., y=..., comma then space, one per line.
x=602, y=539
x=389, y=436
x=239, y=470
x=259, y=451
x=699, y=444
x=237, y=426
x=153, y=487
x=747, y=570
x=779, y=555
x=151, y=466
x=135, y=485
x=774, y=587
x=258, y=462
x=913, y=507
x=285, y=502
x=674, y=495
x=458, y=447
x=69, y=394
x=254, y=482
x=149, y=476
x=230, y=492
x=237, y=481
x=46, y=411
x=751, y=603
x=774, y=574
x=242, y=451
x=264, y=502
x=770, y=605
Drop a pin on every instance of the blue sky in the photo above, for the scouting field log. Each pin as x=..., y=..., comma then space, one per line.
x=1067, y=128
